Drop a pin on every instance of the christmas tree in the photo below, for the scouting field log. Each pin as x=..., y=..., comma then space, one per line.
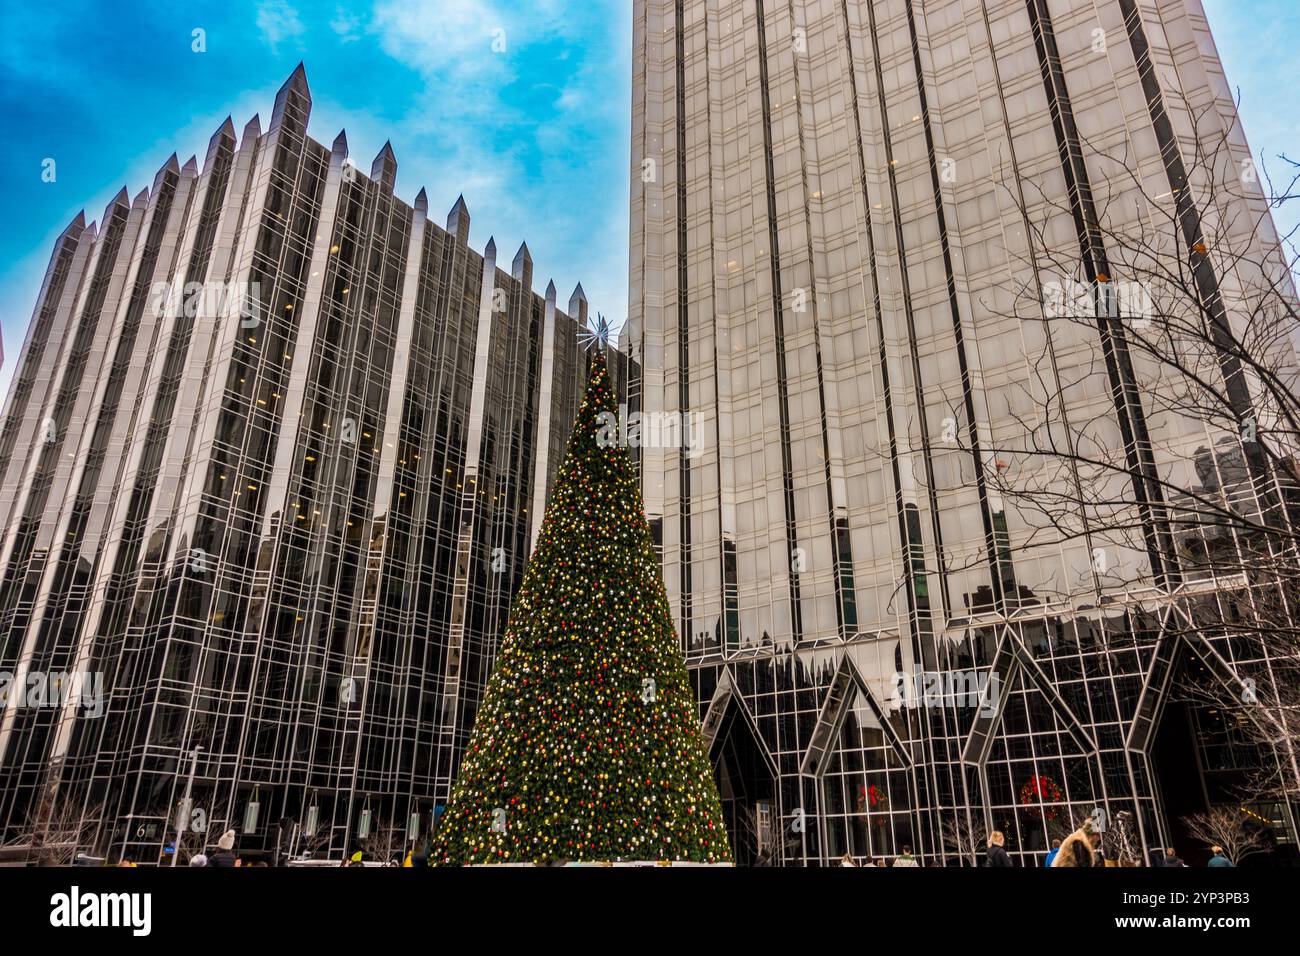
x=587, y=745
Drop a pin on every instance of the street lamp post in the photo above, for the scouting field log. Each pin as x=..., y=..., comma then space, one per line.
x=185, y=803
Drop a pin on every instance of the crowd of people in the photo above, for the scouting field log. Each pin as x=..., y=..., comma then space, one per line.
x=224, y=856
x=1083, y=847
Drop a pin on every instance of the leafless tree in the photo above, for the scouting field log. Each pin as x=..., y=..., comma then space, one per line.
x=1236, y=832
x=305, y=846
x=55, y=831
x=383, y=841
x=764, y=833
x=1154, y=445
x=966, y=836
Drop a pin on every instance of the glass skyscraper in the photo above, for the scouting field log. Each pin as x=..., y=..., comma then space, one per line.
x=271, y=465
x=277, y=448
x=830, y=201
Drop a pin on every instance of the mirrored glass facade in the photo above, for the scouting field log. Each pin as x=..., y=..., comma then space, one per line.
x=825, y=225
x=269, y=470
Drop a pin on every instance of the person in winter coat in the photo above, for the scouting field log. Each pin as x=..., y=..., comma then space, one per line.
x=1076, y=849
x=1218, y=859
x=905, y=858
x=1172, y=858
x=1051, y=854
x=997, y=854
x=224, y=854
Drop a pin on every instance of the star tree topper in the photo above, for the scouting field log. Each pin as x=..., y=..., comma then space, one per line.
x=596, y=334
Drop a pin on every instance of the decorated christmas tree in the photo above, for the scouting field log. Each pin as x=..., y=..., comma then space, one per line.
x=587, y=744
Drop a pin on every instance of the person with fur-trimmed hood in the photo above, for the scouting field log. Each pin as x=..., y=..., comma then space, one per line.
x=1076, y=849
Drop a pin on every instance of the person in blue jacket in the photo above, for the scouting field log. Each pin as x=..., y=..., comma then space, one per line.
x=1218, y=859
x=1051, y=854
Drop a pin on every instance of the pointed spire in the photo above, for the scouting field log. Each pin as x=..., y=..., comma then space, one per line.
x=384, y=169
x=578, y=306
x=225, y=131
x=458, y=220
x=490, y=250
x=123, y=198
x=171, y=166
x=141, y=198
x=421, y=202
x=339, y=151
x=225, y=134
x=78, y=223
x=293, y=102
x=252, y=130
x=191, y=166
x=297, y=80
x=550, y=292
x=522, y=267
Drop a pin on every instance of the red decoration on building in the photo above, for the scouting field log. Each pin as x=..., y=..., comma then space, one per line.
x=1041, y=790
x=872, y=798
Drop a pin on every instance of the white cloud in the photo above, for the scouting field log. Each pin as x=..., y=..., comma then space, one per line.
x=534, y=137
x=278, y=21
x=346, y=25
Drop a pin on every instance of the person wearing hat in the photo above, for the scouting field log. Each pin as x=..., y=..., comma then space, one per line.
x=199, y=859
x=224, y=854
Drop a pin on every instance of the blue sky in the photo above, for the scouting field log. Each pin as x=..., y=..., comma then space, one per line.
x=536, y=136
